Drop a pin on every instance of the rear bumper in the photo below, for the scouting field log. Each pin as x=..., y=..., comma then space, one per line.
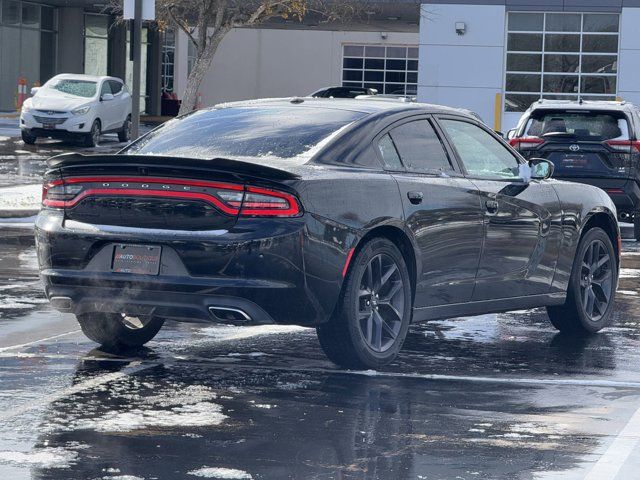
x=248, y=280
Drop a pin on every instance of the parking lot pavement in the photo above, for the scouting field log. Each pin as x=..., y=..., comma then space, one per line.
x=492, y=397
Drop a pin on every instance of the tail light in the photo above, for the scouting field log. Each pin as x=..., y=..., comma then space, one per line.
x=624, y=146
x=525, y=143
x=232, y=199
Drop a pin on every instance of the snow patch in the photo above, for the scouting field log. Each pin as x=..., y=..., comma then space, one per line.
x=220, y=473
x=629, y=273
x=43, y=457
x=628, y=292
x=24, y=197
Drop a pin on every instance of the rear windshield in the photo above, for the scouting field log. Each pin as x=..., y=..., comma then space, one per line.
x=245, y=132
x=580, y=125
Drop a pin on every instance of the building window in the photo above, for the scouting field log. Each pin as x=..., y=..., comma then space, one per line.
x=96, y=44
x=389, y=69
x=562, y=56
x=168, y=60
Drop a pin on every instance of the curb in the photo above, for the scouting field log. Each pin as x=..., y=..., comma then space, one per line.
x=18, y=214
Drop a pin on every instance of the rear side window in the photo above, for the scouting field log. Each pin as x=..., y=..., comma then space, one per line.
x=276, y=132
x=419, y=147
x=389, y=153
x=578, y=125
x=116, y=87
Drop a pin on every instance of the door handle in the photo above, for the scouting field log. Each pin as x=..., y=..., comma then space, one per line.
x=491, y=206
x=415, y=197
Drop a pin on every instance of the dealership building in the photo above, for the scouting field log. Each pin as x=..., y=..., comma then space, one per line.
x=494, y=57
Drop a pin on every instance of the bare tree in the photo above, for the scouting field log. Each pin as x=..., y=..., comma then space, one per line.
x=207, y=22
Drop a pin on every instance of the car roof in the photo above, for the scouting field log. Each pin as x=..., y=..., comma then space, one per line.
x=89, y=78
x=369, y=105
x=582, y=105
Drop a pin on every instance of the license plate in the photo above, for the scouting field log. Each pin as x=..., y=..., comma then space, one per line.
x=49, y=126
x=138, y=259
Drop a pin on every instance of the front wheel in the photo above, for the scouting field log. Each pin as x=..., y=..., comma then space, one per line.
x=93, y=137
x=592, y=285
x=28, y=138
x=374, y=310
x=118, y=330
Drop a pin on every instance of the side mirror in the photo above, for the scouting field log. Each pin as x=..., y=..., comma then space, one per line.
x=510, y=134
x=106, y=97
x=34, y=90
x=541, y=169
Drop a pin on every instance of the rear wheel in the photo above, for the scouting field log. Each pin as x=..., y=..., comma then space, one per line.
x=118, y=330
x=374, y=310
x=93, y=137
x=28, y=138
x=591, y=287
x=125, y=134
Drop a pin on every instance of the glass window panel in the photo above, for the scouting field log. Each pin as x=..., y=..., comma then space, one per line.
x=371, y=51
x=378, y=86
x=47, y=18
x=352, y=63
x=602, y=84
x=373, y=76
x=561, y=63
x=396, y=52
x=396, y=64
x=96, y=25
x=594, y=22
x=352, y=84
x=397, y=77
x=389, y=153
x=600, y=43
x=353, y=50
x=30, y=15
x=523, y=82
x=599, y=64
x=524, y=42
x=412, y=77
x=526, y=22
x=514, y=102
x=394, y=89
x=554, y=96
x=374, y=64
x=352, y=75
x=561, y=43
x=599, y=97
x=560, y=83
x=47, y=56
x=524, y=62
x=412, y=65
x=562, y=22
x=419, y=147
x=10, y=13
x=412, y=52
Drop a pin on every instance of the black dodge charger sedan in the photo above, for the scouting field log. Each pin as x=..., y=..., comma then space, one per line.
x=355, y=217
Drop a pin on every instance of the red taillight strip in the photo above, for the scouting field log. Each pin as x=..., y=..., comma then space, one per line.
x=141, y=193
x=293, y=210
x=170, y=181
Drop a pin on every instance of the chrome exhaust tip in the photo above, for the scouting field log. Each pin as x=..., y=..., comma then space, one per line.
x=229, y=314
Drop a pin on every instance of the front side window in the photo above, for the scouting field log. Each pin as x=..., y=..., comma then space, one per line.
x=106, y=88
x=482, y=154
x=420, y=148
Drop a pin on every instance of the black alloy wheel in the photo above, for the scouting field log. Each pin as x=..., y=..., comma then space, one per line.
x=596, y=280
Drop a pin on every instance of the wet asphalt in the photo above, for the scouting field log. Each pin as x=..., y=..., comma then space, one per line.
x=488, y=397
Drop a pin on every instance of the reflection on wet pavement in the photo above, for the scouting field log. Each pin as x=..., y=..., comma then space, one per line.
x=493, y=397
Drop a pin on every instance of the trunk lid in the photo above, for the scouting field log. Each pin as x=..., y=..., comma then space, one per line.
x=154, y=192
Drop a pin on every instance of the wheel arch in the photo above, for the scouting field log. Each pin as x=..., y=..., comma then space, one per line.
x=401, y=240
x=605, y=220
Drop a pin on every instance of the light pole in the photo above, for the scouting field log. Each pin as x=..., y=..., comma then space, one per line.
x=136, y=47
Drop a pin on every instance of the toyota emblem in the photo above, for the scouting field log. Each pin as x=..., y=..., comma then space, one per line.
x=574, y=147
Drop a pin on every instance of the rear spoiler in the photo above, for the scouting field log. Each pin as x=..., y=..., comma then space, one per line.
x=216, y=164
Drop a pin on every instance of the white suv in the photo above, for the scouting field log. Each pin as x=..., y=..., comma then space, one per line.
x=82, y=106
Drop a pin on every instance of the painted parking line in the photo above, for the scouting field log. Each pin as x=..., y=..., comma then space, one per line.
x=609, y=464
x=20, y=345
x=77, y=388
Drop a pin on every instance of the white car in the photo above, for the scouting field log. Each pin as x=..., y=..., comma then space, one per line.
x=77, y=106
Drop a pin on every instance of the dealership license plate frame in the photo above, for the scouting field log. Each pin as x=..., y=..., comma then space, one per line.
x=48, y=126
x=136, y=259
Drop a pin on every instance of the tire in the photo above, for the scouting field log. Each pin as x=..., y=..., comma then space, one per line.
x=351, y=339
x=590, y=296
x=125, y=134
x=636, y=226
x=92, y=138
x=28, y=138
x=118, y=331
